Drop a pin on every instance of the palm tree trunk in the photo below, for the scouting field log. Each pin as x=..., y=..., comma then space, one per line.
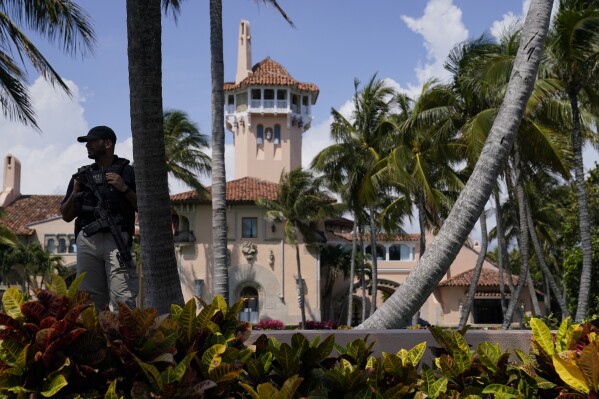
x=373, y=250
x=352, y=271
x=510, y=191
x=220, y=283
x=422, y=225
x=440, y=254
x=583, y=213
x=161, y=278
x=523, y=245
x=533, y=295
x=477, y=270
x=501, y=249
x=363, y=274
x=559, y=296
x=300, y=287
x=422, y=222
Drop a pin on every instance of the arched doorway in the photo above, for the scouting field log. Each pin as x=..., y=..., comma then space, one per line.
x=250, y=297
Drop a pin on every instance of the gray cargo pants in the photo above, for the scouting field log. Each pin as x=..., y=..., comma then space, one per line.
x=106, y=280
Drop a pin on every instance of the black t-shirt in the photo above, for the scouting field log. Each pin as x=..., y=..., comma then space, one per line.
x=120, y=209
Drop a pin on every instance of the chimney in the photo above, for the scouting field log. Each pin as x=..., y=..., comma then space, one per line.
x=244, y=52
x=11, y=183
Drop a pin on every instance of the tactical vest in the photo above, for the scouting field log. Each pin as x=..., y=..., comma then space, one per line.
x=122, y=212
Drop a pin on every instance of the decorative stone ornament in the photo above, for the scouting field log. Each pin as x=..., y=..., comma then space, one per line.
x=271, y=259
x=249, y=250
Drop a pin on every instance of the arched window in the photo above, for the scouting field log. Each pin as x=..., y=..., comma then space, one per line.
x=62, y=245
x=260, y=134
x=181, y=232
x=400, y=252
x=380, y=252
x=249, y=312
x=51, y=245
x=72, y=245
x=277, y=134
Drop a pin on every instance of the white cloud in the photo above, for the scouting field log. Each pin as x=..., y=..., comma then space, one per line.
x=442, y=28
x=48, y=158
x=511, y=20
x=315, y=140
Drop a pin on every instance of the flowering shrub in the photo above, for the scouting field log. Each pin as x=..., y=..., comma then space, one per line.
x=270, y=325
x=320, y=325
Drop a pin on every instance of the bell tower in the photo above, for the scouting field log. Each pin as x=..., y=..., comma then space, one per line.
x=267, y=111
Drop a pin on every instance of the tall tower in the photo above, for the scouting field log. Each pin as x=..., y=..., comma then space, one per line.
x=267, y=111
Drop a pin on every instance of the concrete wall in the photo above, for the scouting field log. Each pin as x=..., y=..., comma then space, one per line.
x=391, y=341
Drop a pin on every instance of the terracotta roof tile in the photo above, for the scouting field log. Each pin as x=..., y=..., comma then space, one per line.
x=245, y=190
x=488, y=277
x=270, y=73
x=29, y=209
x=384, y=237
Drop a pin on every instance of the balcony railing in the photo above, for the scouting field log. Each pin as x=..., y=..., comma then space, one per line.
x=270, y=106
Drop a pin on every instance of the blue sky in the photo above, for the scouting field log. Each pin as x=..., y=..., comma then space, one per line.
x=334, y=42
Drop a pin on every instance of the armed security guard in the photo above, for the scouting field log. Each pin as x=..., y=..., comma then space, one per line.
x=102, y=198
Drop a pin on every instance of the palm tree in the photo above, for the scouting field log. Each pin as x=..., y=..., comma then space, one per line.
x=410, y=296
x=424, y=153
x=219, y=183
x=360, y=142
x=34, y=260
x=159, y=266
x=300, y=205
x=481, y=71
x=573, y=56
x=220, y=285
x=183, y=142
x=61, y=21
x=420, y=164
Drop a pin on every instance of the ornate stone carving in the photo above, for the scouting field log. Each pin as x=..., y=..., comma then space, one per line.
x=249, y=250
x=271, y=259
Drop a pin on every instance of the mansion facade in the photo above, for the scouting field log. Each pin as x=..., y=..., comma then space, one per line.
x=266, y=111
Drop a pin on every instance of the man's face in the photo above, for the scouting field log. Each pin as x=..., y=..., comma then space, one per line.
x=96, y=148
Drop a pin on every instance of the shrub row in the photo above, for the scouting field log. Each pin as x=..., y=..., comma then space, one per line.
x=56, y=345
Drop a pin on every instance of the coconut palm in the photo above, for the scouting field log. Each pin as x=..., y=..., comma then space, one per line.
x=161, y=279
x=573, y=54
x=61, y=21
x=218, y=190
x=301, y=203
x=397, y=310
x=423, y=154
x=184, y=143
x=481, y=70
x=420, y=163
x=360, y=142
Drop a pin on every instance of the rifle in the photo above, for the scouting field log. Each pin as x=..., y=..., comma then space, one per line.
x=103, y=217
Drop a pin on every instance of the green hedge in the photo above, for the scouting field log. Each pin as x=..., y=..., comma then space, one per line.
x=57, y=345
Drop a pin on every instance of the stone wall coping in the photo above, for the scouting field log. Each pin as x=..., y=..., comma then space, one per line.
x=391, y=341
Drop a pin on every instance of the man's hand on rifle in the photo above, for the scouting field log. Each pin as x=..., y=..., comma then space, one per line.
x=116, y=181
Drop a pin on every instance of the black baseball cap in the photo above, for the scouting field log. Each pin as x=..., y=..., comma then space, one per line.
x=98, y=132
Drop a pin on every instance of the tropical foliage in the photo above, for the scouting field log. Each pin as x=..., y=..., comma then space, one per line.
x=184, y=144
x=300, y=205
x=56, y=345
x=63, y=22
